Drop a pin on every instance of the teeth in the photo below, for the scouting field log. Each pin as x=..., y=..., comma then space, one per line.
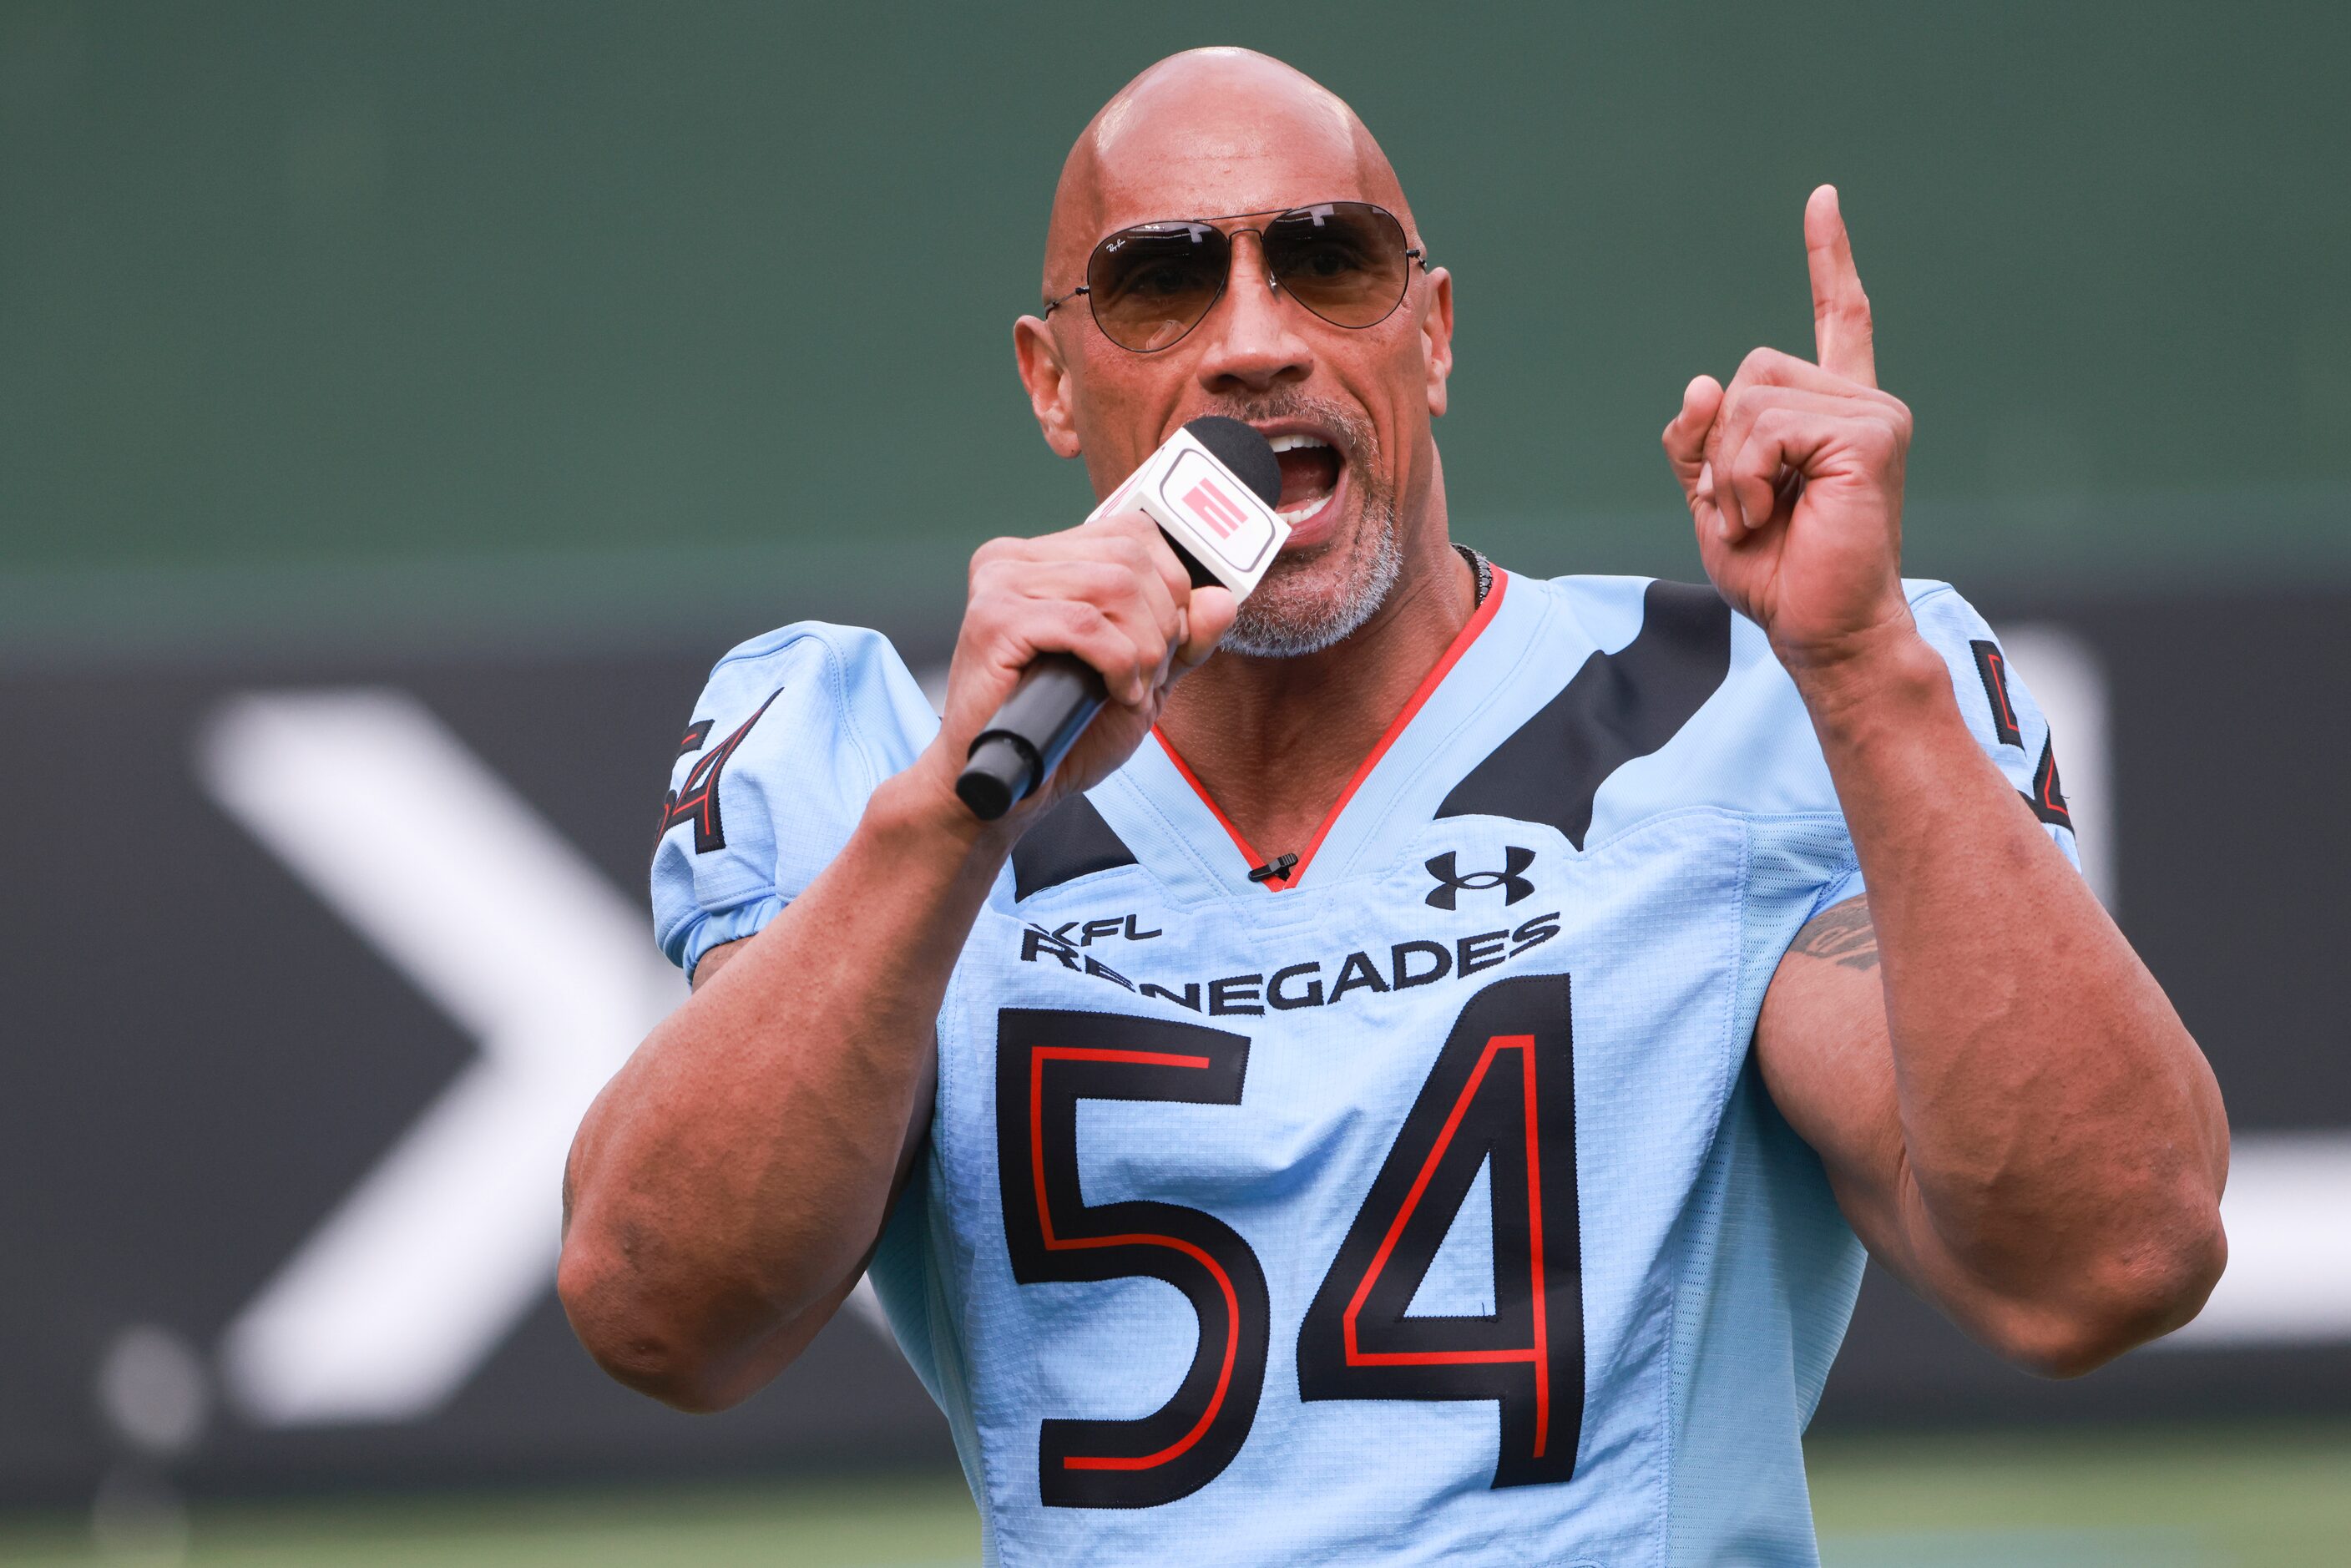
x=1292, y=443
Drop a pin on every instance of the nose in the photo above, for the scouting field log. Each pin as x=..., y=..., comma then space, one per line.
x=1253, y=338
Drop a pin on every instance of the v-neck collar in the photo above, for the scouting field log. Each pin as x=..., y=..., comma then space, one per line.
x=1430, y=683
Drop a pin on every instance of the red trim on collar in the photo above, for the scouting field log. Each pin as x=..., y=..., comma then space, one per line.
x=1240, y=843
x=1419, y=698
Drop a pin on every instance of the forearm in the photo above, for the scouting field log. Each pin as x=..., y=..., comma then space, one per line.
x=2062, y=1143
x=735, y=1172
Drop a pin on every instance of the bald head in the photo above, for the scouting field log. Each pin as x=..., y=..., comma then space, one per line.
x=1228, y=134
x=1204, y=133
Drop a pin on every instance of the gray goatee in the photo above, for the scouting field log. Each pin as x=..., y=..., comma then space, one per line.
x=1298, y=609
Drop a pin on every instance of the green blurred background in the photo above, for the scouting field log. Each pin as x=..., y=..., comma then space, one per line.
x=357, y=320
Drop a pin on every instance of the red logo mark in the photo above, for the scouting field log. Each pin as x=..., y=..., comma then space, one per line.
x=1218, y=511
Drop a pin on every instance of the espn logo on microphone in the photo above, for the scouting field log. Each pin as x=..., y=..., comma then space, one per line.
x=1220, y=512
x=1208, y=513
x=1218, y=518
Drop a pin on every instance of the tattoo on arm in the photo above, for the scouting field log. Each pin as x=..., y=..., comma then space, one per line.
x=1844, y=935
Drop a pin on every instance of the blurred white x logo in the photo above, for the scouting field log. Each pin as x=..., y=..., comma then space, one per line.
x=416, y=1277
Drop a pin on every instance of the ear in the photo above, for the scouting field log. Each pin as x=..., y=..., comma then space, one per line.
x=1437, y=338
x=1048, y=380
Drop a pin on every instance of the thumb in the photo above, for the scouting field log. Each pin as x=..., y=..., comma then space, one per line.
x=1685, y=433
x=1207, y=618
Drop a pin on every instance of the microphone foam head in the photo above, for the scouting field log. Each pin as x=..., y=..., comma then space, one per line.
x=1241, y=449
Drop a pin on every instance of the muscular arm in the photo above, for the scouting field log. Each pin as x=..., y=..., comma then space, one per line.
x=2012, y=1114
x=727, y=1188
x=2010, y=1111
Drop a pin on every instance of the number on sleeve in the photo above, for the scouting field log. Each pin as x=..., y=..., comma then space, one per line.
x=696, y=800
x=1047, y=1060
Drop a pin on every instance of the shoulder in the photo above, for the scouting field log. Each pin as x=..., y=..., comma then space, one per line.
x=1636, y=696
x=812, y=640
x=812, y=695
x=1612, y=613
x=792, y=735
x=1687, y=625
x=1630, y=700
x=845, y=676
x=1945, y=617
x=1641, y=696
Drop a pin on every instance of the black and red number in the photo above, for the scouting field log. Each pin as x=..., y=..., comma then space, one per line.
x=1992, y=668
x=1503, y=1091
x=696, y=799
x=2047, y=796
x=1047, y=1060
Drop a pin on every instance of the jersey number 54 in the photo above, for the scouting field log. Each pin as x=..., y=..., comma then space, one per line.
x=1503, y=1091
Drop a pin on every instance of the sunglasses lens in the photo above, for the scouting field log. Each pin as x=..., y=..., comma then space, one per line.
x=1151, y=285
x=1343, y=261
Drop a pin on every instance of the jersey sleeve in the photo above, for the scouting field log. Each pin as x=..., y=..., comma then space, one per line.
x=2000, y=711
x=791, y=737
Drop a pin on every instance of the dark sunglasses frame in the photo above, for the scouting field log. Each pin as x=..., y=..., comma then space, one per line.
x=1412, y=253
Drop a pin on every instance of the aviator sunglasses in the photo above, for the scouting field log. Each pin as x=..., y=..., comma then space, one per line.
x=1149, y=285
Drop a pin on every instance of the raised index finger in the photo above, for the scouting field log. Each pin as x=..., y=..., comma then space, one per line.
x=1841, y=329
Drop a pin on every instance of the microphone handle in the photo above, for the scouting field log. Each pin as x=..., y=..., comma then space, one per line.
x=1058, y=696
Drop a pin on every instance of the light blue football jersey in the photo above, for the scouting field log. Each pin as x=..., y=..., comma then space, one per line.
x=1422, y=1206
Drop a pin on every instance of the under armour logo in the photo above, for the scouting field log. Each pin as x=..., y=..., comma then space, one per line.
x=1450, y=884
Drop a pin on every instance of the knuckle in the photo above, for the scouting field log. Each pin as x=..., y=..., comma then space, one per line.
x=1140, y=595
x=1126, y=549
x=986, y=612
x=1115, y=660
x=1746, y=407
x=1159, y=595
x=994, y=552
x=1158, y=567
x=1124, y=531
x=1094, y=581
x=986, y=639
x=1139, y=586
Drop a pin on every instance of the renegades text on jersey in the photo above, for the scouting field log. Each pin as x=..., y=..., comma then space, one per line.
x=1421, y=1204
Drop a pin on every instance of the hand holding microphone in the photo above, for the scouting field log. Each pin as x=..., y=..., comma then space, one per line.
x=1211, y=490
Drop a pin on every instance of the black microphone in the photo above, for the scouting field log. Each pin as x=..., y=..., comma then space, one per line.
x=1220, y=538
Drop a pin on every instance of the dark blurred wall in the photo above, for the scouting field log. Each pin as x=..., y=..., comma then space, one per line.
x=253, y=1019
x=287, y=286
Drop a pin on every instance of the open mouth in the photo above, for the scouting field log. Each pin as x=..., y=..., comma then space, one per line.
x=1310, y=475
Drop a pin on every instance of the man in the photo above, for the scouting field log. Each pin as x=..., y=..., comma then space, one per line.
x=1461, y=988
